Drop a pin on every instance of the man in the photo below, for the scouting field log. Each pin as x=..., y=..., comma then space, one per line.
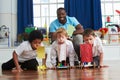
x=70, y=24
x=66, y=22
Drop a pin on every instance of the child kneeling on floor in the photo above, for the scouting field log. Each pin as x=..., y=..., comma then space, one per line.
x=62, y=49
x=89, y=37
x=24, y=56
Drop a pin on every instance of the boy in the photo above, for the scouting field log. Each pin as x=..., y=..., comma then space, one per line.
x=62, y=49
x=24, y=57
x=89, y=37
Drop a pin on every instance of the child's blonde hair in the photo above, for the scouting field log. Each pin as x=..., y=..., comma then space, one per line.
x=61, y=31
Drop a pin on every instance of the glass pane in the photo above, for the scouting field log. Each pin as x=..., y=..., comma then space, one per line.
x=103, y=21
x=117, y=19
x=36, y=9
x=117, y=7
x=36, y=1
x=44, y=22
x=112, y=18
x=116, y=13
x=60, y=5
x=44, y=10
x=107, y=0
x=37, y=22
x=102, y=9
x=53, y=1
x=44, y=1
x=61, y=1
x=109, y=9
x=53, y=9
x=52, y=19
x=116, y=0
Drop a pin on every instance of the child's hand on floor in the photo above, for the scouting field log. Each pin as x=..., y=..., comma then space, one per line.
x=17, y=70
x=72, y=67
x=53, y=68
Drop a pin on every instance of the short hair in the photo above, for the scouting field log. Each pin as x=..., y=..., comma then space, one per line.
x=61, y=8
x=35, y=34
x=88, y=32
x=61, y=31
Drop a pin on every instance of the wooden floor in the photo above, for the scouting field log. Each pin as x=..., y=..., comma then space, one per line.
x=109, y=73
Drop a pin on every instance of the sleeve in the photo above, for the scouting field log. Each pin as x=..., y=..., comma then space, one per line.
x=71, y=54
x=52, y=27
x=75, y=21
x=19, y=50
x=100, y=49
x=53, y=55
x=100, y=46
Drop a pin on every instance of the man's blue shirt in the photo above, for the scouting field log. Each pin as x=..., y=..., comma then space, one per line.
x=71, y=21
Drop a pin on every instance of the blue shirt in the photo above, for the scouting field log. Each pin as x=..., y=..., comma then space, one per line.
x=71, y=21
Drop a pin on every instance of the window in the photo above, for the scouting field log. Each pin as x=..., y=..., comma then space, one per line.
x=109, y=8
x=45, y=11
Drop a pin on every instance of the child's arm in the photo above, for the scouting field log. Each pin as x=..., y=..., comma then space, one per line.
x=71, y=59
x=15, y=58
x=100, y=49
x=71, y=55
x=44, y=60
x=53, y=57
x=101, y=59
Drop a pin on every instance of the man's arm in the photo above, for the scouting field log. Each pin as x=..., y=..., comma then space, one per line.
x=79, y=29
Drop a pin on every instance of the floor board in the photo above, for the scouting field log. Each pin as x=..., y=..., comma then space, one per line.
x=107, y=73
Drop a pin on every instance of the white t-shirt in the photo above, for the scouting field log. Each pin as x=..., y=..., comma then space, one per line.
x=97, y=47
x=25, y=51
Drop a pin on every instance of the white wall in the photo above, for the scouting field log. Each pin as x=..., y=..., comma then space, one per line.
x=110, y=53
x=8, y=17
x=5, y=54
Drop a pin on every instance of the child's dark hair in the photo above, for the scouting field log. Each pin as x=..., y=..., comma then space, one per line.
x=88, y=32
x=35, y=34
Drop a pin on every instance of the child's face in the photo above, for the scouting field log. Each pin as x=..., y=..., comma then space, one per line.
x=61, y=38
x=35, y=44
x=89, y=39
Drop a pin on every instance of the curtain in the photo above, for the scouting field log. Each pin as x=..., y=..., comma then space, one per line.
x=24, y=15
x=87, y=12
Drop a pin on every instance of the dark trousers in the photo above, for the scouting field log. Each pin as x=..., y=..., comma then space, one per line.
x=27, y=65
x=96, y=59
x=77, y=50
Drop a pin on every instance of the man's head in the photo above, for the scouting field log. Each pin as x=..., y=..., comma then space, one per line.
x=61, y=15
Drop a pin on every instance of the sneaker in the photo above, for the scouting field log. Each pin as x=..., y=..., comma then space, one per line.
x=87, y=64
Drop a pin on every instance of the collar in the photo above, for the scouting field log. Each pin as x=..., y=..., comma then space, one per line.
x=67, y=21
